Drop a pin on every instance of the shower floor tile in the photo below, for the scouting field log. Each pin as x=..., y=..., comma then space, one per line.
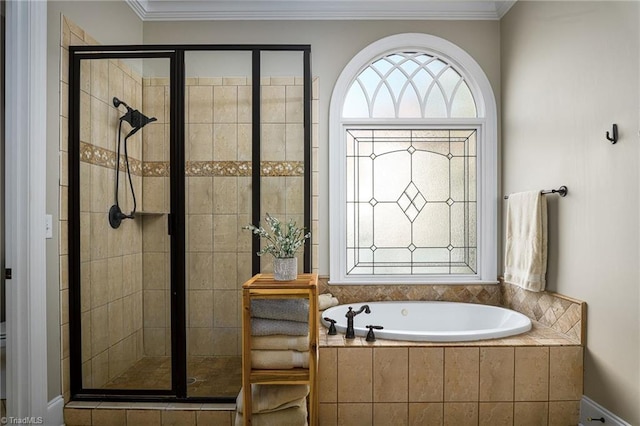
x=207, y=376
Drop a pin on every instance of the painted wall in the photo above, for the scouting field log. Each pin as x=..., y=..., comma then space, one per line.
x=333, y=44
x=570, y=70
x=109, y=22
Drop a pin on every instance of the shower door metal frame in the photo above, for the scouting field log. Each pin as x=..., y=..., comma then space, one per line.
x=176, y=216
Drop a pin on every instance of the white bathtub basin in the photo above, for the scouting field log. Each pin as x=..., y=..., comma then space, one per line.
x=431, y=321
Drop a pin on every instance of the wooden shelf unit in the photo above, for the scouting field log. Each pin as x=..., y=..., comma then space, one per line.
x=263, y=286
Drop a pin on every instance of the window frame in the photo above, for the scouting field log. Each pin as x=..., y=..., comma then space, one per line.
x=487, y=165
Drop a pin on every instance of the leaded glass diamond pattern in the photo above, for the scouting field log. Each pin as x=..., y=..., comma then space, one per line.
x=411, y=201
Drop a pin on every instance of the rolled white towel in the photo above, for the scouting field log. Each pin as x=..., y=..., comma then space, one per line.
x=268, y=398
x=265, y=360
x=280, y=342
x=326, y=301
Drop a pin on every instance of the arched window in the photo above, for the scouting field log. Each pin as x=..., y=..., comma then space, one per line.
x=413, y=169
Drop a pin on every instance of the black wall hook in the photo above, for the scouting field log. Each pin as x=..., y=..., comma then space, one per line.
x=614, y=138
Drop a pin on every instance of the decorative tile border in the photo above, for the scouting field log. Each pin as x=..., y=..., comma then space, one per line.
x=97, y=156
x=561, y=313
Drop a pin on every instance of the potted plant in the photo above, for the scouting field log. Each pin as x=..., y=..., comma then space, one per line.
x=282, y=242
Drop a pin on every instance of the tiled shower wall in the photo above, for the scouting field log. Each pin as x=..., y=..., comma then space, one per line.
x=111, y=259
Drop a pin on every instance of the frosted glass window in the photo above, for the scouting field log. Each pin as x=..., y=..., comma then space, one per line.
x=411, y=202
x=409, y=85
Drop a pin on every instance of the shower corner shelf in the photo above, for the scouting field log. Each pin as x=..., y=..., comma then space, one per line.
x=263, y=286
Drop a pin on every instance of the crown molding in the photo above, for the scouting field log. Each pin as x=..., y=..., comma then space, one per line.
x=175, y=10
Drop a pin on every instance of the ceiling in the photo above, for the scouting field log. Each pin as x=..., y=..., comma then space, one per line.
x=205, y=10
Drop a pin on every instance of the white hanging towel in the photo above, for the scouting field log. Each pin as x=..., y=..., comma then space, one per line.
x=525, y=260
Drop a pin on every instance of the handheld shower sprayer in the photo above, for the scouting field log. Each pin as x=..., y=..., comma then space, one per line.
x=137, y=121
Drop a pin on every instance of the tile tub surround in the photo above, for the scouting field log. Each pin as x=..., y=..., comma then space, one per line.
x=561, y=313
x=532, y=379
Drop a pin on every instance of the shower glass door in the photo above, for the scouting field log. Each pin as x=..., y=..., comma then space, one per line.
x=218, y=153
x=121, y=187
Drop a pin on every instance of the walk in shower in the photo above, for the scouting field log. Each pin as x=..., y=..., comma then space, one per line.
x=172, y=150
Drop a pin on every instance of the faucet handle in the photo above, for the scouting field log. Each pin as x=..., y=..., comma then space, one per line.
x=332, y=326
x=370, y=336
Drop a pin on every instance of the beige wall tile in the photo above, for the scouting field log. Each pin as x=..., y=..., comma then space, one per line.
x=200, y=309
x=225, y=231
x=116, y=324
x=328, y=414
x=154, y=308
x=294, y=105
x=86, y=336
x=273, y=104
x=244, y=142
x=225, y=274
x=214, y=418
x=565, y=373
x=426, y=374
x=154, y=342
x=355, y=414
x=244, y=197
x=226, y=341
x=294, y=136
x=108, y=417
x=200, y=104
x=200, y=195
x=200, y=341
x=273, y=142
x=244, y=104
x=178, y=418
x=225, y=141
x=200, y=142
x=328, y=375
x=100, y=78
x=153, y=142
x=225, y=104
x=426, y=413
x=100, y=369
x=530, y=413
x=200, y=271
x=390, y=374
x=355, y=380
x=153, y=102
x=114, y=277
x=273, y=197
x=200, y=233
x=155, y=233
x=153, y=271
x=143, y=417
x=131, y=273
x=99, y=236
x=225, y=308
x=77, y=417
x=153, y=194
x=461, y=374
x=460, y=413
x=100, y=124
x=531, y=374
x=564, y=412
x=225, y=195
x=116, y=81
x=396, y=414
x=99, y=329
x=496, y=374
x=495, y=414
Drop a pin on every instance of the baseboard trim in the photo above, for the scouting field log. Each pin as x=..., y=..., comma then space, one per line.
x=590, y=409
x=55, y=411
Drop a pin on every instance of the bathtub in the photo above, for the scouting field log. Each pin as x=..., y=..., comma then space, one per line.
x=431, y=321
